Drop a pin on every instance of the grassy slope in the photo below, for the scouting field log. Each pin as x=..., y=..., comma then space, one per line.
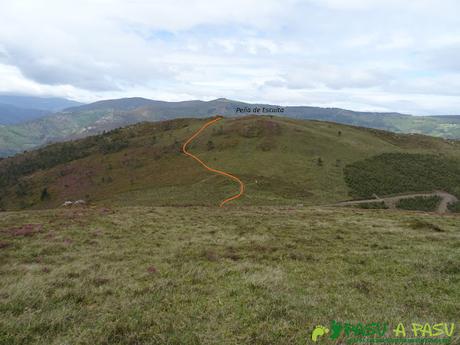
x=221, y=276
x=154, y=172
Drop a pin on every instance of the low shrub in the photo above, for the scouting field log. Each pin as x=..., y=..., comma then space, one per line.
x=393, y=173
x=454, y=207
x=420, y=203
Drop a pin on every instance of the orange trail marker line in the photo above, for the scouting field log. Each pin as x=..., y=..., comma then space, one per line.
x=184, y=149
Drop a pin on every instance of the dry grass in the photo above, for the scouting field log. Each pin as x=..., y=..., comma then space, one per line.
x=201, y=275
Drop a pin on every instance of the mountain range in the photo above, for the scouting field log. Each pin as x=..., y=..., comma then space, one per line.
x=15, y=109
x=89, y=119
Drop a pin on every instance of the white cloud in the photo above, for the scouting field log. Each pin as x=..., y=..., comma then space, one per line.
x=379, y=54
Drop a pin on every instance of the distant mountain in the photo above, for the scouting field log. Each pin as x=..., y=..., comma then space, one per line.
x=9, y=114
x=50, y=104
x=89, y=119
x=18, y=109
x=124, y=104
x=451, y=118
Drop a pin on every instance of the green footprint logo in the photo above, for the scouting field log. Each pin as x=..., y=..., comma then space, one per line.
x=318, y=332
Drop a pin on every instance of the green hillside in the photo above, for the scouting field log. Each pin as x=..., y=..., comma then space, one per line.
x=282, y=162
x=94, y=118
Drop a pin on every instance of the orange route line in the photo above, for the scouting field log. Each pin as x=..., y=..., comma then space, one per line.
x=184, y=149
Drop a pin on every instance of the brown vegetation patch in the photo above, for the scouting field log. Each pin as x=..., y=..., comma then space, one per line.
x=260, y=128
x=231, y=253
x=98, y=232
x=152, y=269
x=25, y=230
x=76, y=179
x=99, y=281
x=210, y=255
x=106, y=210
x=417, y=224
x=363, y=287
x=4, y=244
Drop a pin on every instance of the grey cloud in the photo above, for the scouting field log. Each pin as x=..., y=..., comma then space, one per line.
x=261, y=50
x=80, y=71
x=447, y=58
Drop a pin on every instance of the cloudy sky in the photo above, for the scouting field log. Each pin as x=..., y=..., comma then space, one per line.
x=384, y=55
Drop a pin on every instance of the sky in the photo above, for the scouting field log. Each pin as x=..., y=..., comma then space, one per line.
x=379, y=55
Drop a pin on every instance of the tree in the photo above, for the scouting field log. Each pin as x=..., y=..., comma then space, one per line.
x=320, y=162
x=44, y=195
x=210, y=145
x=21, y=189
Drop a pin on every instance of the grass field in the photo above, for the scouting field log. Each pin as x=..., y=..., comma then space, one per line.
x=203, y=275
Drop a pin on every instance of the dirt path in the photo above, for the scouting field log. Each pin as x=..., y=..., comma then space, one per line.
x=391, y=202
x=184, y=149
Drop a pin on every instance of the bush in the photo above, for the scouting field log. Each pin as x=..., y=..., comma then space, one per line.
x=418, y=224
x=45, y=195
x=22, y=189
x=109, y=146
x=420, y=203
x=392, y=173
x=454, y=207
